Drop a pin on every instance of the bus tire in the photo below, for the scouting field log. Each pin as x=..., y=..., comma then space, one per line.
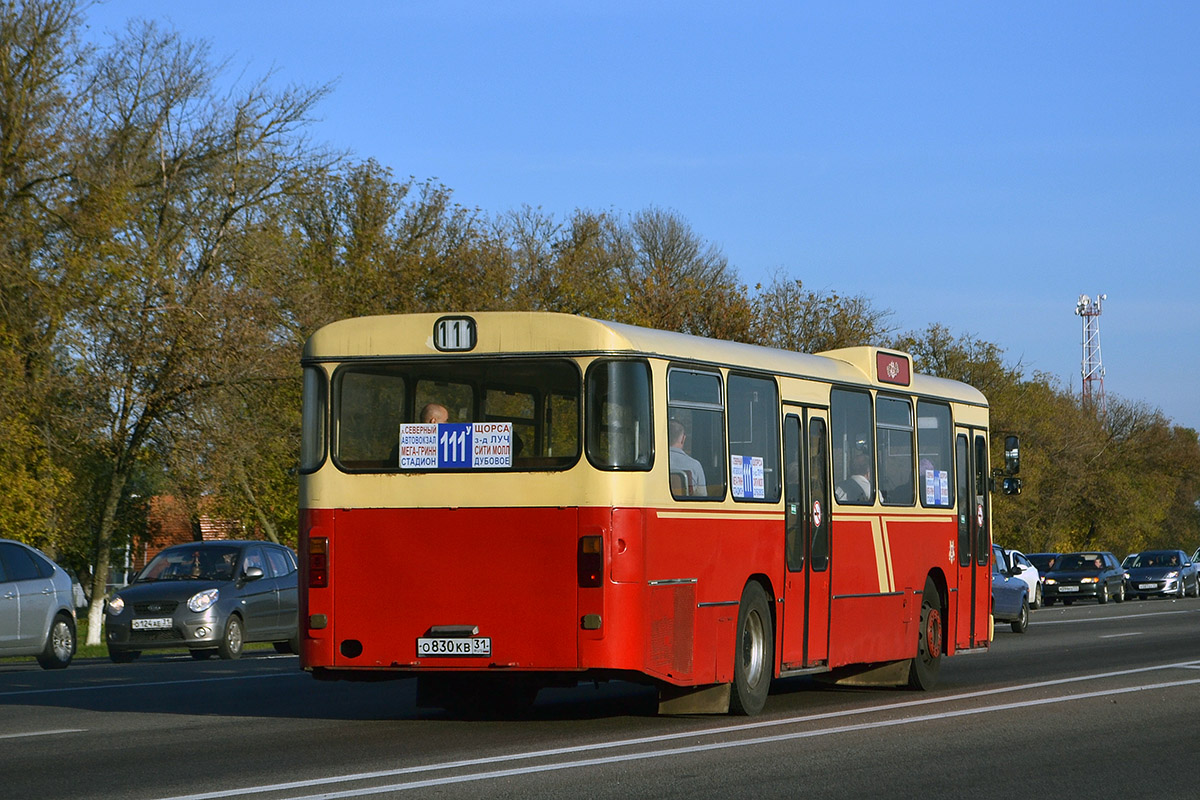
x=754, y=653
x=927, y=663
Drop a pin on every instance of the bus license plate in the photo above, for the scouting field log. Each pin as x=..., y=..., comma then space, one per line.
x=151, y=624
x=454, y=646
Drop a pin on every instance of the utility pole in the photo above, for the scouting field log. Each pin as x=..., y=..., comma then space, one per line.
x=1093, y=367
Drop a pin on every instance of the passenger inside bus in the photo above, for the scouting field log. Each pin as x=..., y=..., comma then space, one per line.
x=856, y=488
x=689, y=471
x=434, y=412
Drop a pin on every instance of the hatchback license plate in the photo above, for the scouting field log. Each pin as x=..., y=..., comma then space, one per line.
x=1068, y=588
x=152, y=624
x=454, y=646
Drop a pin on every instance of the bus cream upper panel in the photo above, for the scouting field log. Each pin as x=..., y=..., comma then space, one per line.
x=503, y=332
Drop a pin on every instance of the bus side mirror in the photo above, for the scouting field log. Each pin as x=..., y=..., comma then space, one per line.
x=1012, y=455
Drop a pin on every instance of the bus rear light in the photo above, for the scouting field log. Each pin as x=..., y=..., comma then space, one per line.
x=318, y=562
x=590, y=561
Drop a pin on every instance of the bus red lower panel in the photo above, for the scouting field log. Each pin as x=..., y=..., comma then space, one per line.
x=397, y=576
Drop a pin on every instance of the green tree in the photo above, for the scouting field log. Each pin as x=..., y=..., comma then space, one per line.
x=40, y=61
x=170, y=179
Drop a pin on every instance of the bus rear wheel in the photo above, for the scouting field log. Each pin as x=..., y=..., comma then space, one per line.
x=928, y=662
x=754, y=654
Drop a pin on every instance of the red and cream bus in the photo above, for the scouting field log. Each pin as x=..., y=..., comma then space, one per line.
x=601, y=501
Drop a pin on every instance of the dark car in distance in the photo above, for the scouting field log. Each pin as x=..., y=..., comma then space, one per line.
x=1043, y=561
x=1162, y=572
x=1093, y=574
x=1010, y=594
x=210, y=597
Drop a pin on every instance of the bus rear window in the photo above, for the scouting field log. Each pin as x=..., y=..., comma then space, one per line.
x=522, y=413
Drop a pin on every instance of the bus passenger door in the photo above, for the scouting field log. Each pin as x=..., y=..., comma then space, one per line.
x=973, y=545
x=805, y=636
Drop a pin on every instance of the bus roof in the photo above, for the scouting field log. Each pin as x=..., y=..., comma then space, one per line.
x=515, y=332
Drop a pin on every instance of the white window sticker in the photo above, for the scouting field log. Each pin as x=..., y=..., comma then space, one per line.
x=747, y=477
x=456, y=445
x=937, y=487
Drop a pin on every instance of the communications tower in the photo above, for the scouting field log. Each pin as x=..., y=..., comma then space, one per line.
x=1093, y=368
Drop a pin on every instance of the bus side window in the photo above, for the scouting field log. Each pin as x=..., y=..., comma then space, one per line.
x=894, y=445
x=753, y=439
x=696, y=433
x=935, y=487
x=618, y=415
x=853, y=447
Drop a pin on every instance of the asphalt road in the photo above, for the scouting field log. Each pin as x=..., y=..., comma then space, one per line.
x=1094, y=701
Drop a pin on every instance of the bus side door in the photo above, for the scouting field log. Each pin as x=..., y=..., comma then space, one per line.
x=805, y=629
x=973, y=545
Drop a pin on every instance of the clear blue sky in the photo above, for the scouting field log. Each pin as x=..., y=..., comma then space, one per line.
x=976, y=165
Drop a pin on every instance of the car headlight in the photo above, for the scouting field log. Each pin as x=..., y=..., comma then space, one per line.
x=1173, y=574
x=1051, y=581
x=1089, y=580
x=116, y=605
x=202, y=601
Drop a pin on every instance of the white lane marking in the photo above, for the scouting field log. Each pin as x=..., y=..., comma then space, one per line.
x=691, y=734
x=1119, y=635
x=41, y=733
x=144, y=684
x=1121, y=618
x=702, y=748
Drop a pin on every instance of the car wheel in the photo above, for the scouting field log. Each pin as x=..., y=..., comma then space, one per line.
x=923, y=673
x=123, y=656
x=60, y=644
x=1102, y=594
x=231, y=642
x=202, y=655
x=1047, y=601
x=1120, y=597
x=1067, y=602
x=753, y=656
x=1021, y=623
x=1037, y=597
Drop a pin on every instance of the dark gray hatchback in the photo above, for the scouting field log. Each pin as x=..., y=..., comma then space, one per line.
x=210, y=597
x=1095, y=575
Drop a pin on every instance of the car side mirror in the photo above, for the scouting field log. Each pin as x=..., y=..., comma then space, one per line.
x=252, y=573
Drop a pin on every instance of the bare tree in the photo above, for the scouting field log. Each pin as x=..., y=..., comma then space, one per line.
x=674, y=279
x=790, y=317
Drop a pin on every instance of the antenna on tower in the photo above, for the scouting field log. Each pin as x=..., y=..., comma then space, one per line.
x=1093, y=367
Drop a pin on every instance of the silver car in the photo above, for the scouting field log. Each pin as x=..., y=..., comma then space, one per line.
x=209, y=597
x=37, y=610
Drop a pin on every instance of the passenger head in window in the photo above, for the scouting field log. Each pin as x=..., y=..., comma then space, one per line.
x=683, y=463
x=434, y=412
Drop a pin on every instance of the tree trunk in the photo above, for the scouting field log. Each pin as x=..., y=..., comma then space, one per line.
x=108, y=523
